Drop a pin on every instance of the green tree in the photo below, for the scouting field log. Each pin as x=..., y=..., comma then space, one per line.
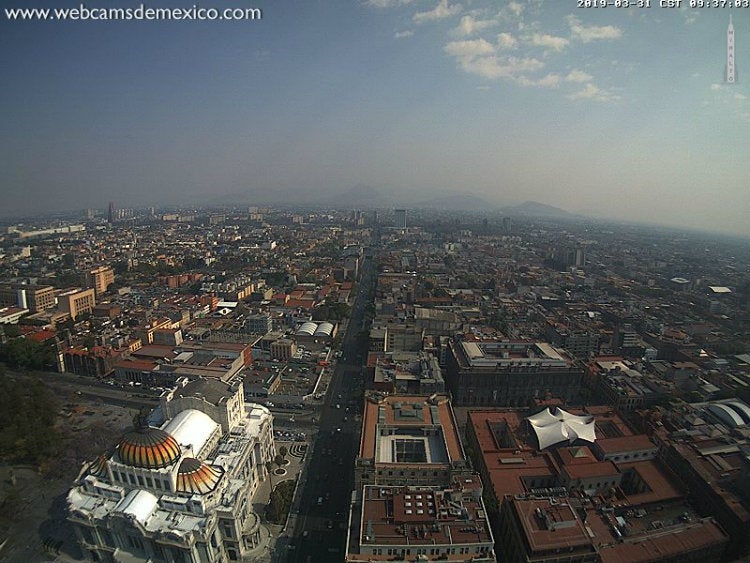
x=26, y=353
x=27, y=422
x=280, y=502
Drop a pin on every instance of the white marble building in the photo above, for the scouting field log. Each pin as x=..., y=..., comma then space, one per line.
x=178, y=490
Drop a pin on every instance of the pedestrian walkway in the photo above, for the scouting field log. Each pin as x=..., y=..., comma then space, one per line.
x=298, y=450
x=271, y=533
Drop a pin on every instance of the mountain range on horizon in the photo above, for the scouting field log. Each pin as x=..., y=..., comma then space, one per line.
x=365, y=196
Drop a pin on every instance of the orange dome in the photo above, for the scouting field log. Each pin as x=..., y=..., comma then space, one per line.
x=150, y=448
x=194, y=476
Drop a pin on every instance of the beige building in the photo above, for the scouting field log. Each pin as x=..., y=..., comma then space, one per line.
x=76, y=301
x=34, y=297
x=100, y=279
x=283, y=349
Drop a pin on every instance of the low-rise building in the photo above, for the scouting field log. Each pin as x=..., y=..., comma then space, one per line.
x=495, y=372
x=412, y=373
x=421, y=524
x=416, y=496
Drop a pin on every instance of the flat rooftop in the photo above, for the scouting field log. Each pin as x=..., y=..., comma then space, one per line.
x=572, y=524
x=664, y=542
x=549, y=524
x=402, y=515
x=511, y=353
x=409, y=429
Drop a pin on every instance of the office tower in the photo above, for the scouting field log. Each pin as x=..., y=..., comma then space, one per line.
x=400, y=218
x=507, y=225
x=100, y=279
x=729, y=72
x=77, y=301
x=34, y=297
x=111, y=212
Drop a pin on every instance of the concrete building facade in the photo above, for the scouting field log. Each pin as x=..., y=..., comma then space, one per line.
x=509, y=373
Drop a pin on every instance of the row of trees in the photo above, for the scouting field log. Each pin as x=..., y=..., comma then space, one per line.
x=331, y=311
x=27, y=354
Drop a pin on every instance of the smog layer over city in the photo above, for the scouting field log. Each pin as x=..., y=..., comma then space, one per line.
x=353, y=281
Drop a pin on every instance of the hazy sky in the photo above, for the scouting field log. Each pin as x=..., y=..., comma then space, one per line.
x=610, y=112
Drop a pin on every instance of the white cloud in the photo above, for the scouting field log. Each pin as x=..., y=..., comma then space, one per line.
x=549, y=81
x=469, y=48
x=592, y=33
x=386, y=3
x=470, y=25
x=579, y=76
x=507, y=41
x=494, y=67
x=441, y=11
x=402, y=34
x=592, y=92
x=548, y=41
x=516, y=8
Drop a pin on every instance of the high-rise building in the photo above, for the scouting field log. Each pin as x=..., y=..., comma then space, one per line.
x=400, y=218
x=507, y=225
x=101, y=278
x=34, y=297
x=729, y=71
x=111, y=212
x=76, y=301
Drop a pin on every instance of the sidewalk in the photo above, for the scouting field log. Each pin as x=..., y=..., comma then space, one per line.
x=270, y=533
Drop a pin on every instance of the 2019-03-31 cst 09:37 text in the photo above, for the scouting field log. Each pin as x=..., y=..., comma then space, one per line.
x=663, y=3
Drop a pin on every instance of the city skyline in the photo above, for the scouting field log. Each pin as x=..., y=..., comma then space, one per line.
x=602, y=112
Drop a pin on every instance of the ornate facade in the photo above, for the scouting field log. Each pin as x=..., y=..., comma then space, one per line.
x=178, y=490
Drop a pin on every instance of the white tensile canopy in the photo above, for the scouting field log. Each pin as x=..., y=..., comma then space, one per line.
x=554, y=426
